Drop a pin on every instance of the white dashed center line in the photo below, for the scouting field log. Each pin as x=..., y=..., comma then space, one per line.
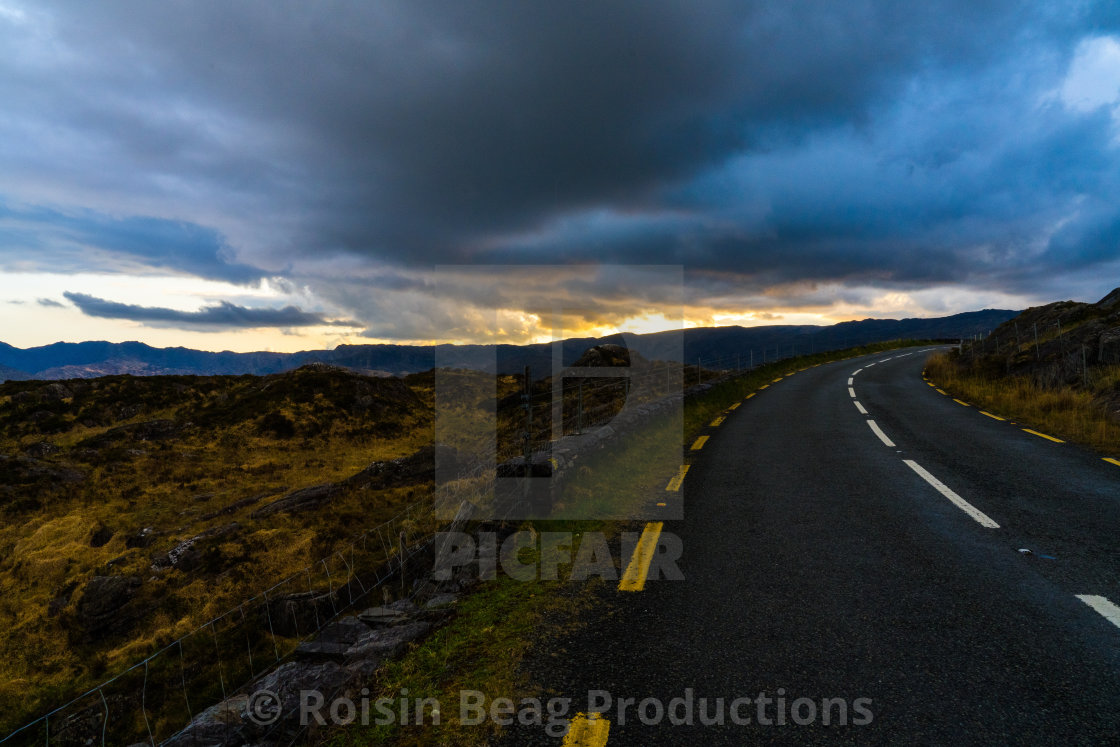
x=1107, y=609
x=879, y=432
x=860, y=407
x=957, y=501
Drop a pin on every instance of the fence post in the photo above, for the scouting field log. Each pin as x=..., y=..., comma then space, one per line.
x=579, y=409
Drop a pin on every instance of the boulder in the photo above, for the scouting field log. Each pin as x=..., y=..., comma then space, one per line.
x=303, y=499
x=103, y=607
x=387, y=642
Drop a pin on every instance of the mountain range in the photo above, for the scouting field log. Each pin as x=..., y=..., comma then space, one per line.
x=713, y=346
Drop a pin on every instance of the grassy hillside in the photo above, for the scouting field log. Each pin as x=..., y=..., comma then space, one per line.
x=102, y=478
x=1054, y=367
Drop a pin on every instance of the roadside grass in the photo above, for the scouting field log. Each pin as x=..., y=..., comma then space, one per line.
x=1070, y=414
x=501, y=622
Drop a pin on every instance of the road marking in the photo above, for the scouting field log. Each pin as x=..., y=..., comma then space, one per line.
x=931, y=383
x=1110, y=460
x=851, y=380
x=990, y=415
x=634, y=579
x=587, y=731
x=856, y=372
x=851, y=393
x=716, y=423
x=959, y=502
x=699, y=443
x=734, y=406
x=860, y=407
x=941, y=391
x=775, y=381
x=675, y=483
x=749, y=396
x=764, y=386
x=879, y=432
x=960, y=402
x=869, y=365
x=1108, y=610
x=1043, y=435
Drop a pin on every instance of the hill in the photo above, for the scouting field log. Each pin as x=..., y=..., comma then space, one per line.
x=64, y=360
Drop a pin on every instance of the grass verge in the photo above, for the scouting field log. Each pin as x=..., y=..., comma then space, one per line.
x=1067, y=413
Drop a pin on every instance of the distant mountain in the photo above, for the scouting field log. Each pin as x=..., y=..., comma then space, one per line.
x=713, y=346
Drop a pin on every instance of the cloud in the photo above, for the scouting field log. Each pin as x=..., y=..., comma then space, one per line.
x=50, y=303
x=223, y=315
x=761, y=146
x=47, y=239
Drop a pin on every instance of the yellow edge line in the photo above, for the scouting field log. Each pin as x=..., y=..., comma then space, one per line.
x=699, y=443
x=675, y=483
x=634, y=579
x=1110, y=460
x=1043, y=435
x=960, y=402
x=587, y=731
x=717, y=422
x=749, y=396
x=775, y=381
x=764, y=386
x=941, y=391
x=990, y=415
x=734, y=406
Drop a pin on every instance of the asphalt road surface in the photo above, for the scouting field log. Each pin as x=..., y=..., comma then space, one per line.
x=872, y=574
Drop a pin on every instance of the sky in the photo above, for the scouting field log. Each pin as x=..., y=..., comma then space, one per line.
x=295, y=175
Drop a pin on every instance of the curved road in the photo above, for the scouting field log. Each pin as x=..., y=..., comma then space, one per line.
x=828, y=560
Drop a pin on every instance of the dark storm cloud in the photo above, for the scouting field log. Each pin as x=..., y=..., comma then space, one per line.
x=225, y=315
x=43, y=239
x=901, y=144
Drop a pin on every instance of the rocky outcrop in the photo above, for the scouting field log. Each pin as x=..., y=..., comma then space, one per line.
x=151, y=430
x=104, y=607
x=340, y=660
x=187, y=555
x=303, y=499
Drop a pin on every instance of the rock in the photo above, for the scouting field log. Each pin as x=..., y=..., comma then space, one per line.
x=151, y=430
x=40, y=449
x=227, y=723
x=1108, y=346
x=303, y=499
x=438, y=601
x=141, y=538
x=186, y=555
x=237, y=505
x=414, y=469
x=602, y=356
x=54, y=392
x=221, y=725
x=387, y=642
x=21, y=470
x=382, y=616
x=317, y=650
x=101, y=609
x=348, y=629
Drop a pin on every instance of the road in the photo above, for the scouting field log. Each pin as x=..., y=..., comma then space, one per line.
x=825, y=558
